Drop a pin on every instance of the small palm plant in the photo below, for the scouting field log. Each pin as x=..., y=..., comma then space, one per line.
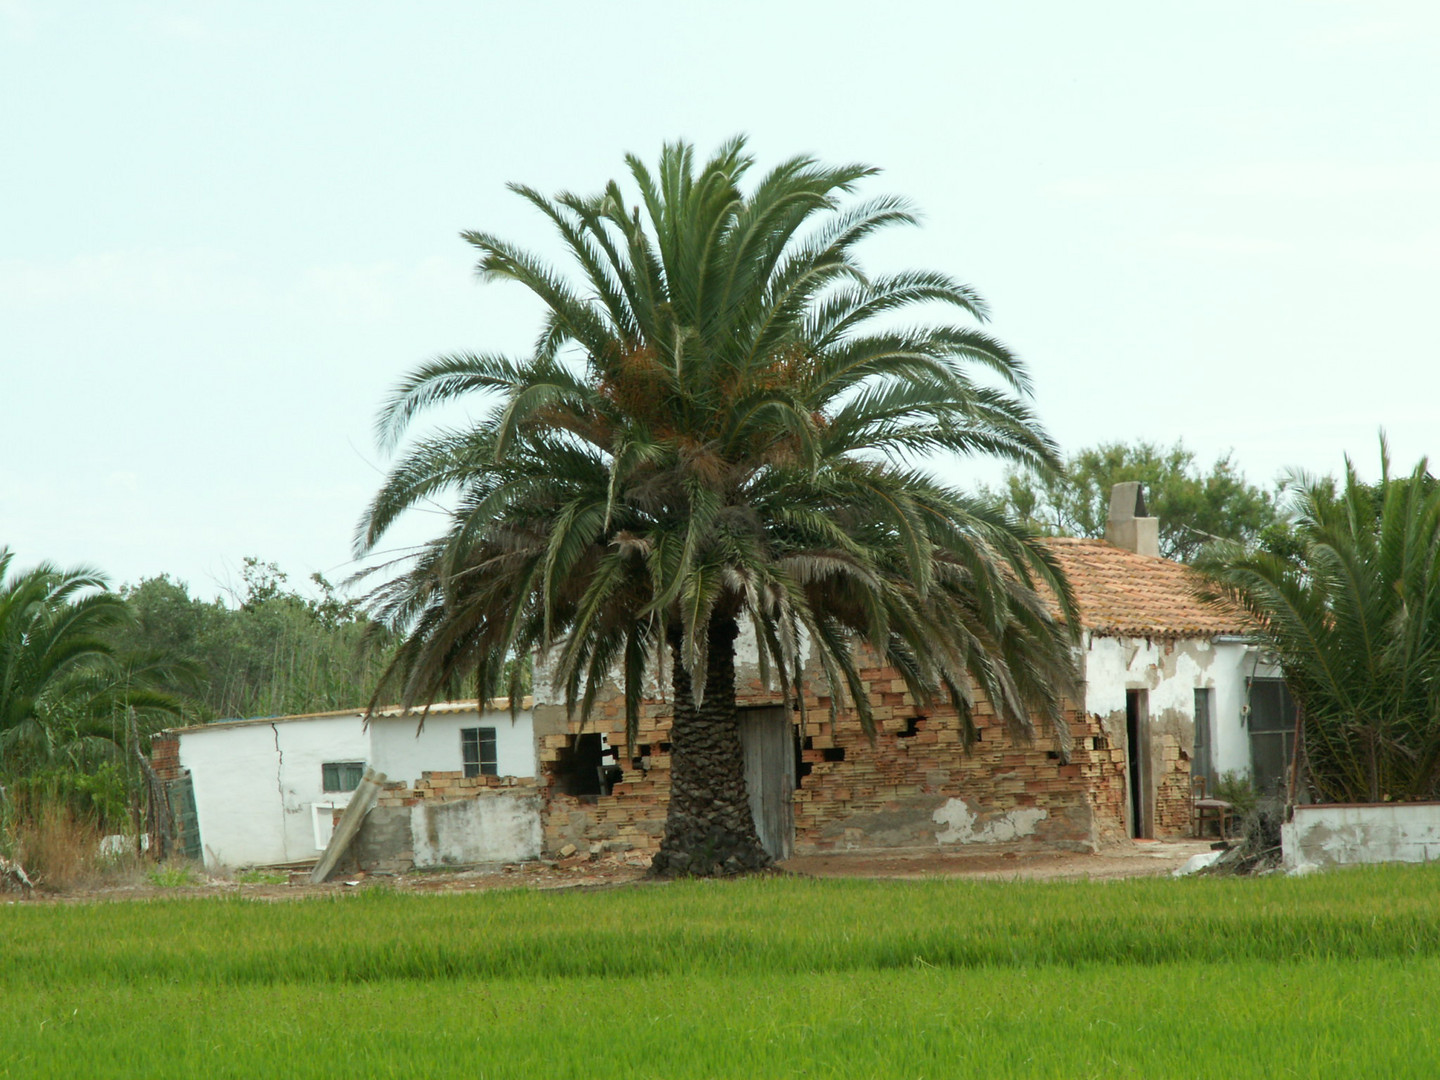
x=1351, y=606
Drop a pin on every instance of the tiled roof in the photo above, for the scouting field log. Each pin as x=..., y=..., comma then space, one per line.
x=1122, y=594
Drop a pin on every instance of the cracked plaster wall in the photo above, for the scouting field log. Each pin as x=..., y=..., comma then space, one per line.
x=1171, y=672
x=1345, y=835
x=256, y=783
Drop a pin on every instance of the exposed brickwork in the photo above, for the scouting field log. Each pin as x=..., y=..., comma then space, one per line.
x=446, y=787
x=881, y=795
x=1172, y=790
x=165, y=756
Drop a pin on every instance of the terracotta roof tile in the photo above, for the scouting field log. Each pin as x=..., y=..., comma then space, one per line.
x=1122, y=594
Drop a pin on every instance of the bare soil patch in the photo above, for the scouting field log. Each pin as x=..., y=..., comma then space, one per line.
x=1137, y=859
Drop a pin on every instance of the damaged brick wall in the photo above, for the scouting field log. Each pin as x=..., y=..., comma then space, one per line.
x=913, y=787
x=1172, y=789
x=165, y=756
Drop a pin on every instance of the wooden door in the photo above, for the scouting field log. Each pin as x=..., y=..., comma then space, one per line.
x=768, y=741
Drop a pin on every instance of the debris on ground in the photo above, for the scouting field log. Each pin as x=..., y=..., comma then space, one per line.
x=1257, y=849
x=13, y=877
x=1196, y=863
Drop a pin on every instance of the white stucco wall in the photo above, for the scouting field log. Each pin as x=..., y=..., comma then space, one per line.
x=1342, y=835
x=256, y=782
x=497, y=827
x=403, y=751
x=1171, y=672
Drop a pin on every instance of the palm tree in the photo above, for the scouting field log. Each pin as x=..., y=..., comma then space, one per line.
x=1350, y=604
x=52, y=627
x=66, y=697
x=718, y=426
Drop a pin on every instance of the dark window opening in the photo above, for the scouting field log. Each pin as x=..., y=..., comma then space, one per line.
x=1203, y=756
x=808, y=743
x=664, y=748
x=1137, y=747
x=912, y=727
x=833, y=753
x=642, y=752
x=1097, y=742
x=477, y=751
x=586, y=768
x=1053, y=755
x=1272, y=735
x=341, y=775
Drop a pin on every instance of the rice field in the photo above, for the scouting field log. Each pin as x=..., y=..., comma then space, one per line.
x=1326, y=976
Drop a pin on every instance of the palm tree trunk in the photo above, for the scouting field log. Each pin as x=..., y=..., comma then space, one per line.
x=709, y=830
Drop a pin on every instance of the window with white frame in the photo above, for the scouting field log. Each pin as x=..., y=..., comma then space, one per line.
x=477, y=751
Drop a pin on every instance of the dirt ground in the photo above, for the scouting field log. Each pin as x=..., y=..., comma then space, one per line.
x=1137, y=859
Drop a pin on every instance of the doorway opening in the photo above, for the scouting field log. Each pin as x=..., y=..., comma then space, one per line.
x=767, y=739
x=1137, y=741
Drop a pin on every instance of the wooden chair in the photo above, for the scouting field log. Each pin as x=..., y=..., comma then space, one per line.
x=1203, y=810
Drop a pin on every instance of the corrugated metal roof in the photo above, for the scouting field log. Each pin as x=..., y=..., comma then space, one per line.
x=386, y=713
x=1122, y=594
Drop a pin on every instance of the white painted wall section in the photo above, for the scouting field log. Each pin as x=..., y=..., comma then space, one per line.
x=403, y=750
x=1170, y=672
x=1347, y=835
x=255, y=784
x=497, y=827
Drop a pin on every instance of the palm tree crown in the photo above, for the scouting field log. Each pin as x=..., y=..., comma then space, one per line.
x=720, y=424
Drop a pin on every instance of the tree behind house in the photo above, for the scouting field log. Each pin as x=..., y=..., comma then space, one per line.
x=1194, y=506
x=274, y=652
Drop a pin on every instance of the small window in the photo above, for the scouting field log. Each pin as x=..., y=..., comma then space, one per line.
x=477, y=751
x=341, y=775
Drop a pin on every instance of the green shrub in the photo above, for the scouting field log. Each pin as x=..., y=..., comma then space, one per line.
x=172, y=876
x=262, y=877
x=1238, y=790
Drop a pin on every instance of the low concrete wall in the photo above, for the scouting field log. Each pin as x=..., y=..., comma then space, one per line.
x=488, y=827
x=498, y=827
x=1345, y=834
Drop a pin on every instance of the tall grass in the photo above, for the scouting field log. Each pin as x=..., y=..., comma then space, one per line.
x=764, y=926
x=1322, y=976
x=60, y=849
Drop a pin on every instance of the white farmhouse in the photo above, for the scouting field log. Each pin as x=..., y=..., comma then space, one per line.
x=266, y=789
x=1175, y=681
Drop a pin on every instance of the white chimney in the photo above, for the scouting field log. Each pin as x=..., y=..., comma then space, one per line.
x=1129, y=526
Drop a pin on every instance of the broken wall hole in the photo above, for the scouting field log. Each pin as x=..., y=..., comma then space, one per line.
x=832, y=753
x=912, y=727
x=587, y=768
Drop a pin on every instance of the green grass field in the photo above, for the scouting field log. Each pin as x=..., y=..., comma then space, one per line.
x=1327, y=976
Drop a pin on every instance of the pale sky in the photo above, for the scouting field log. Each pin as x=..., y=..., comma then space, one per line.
x=227, y=228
